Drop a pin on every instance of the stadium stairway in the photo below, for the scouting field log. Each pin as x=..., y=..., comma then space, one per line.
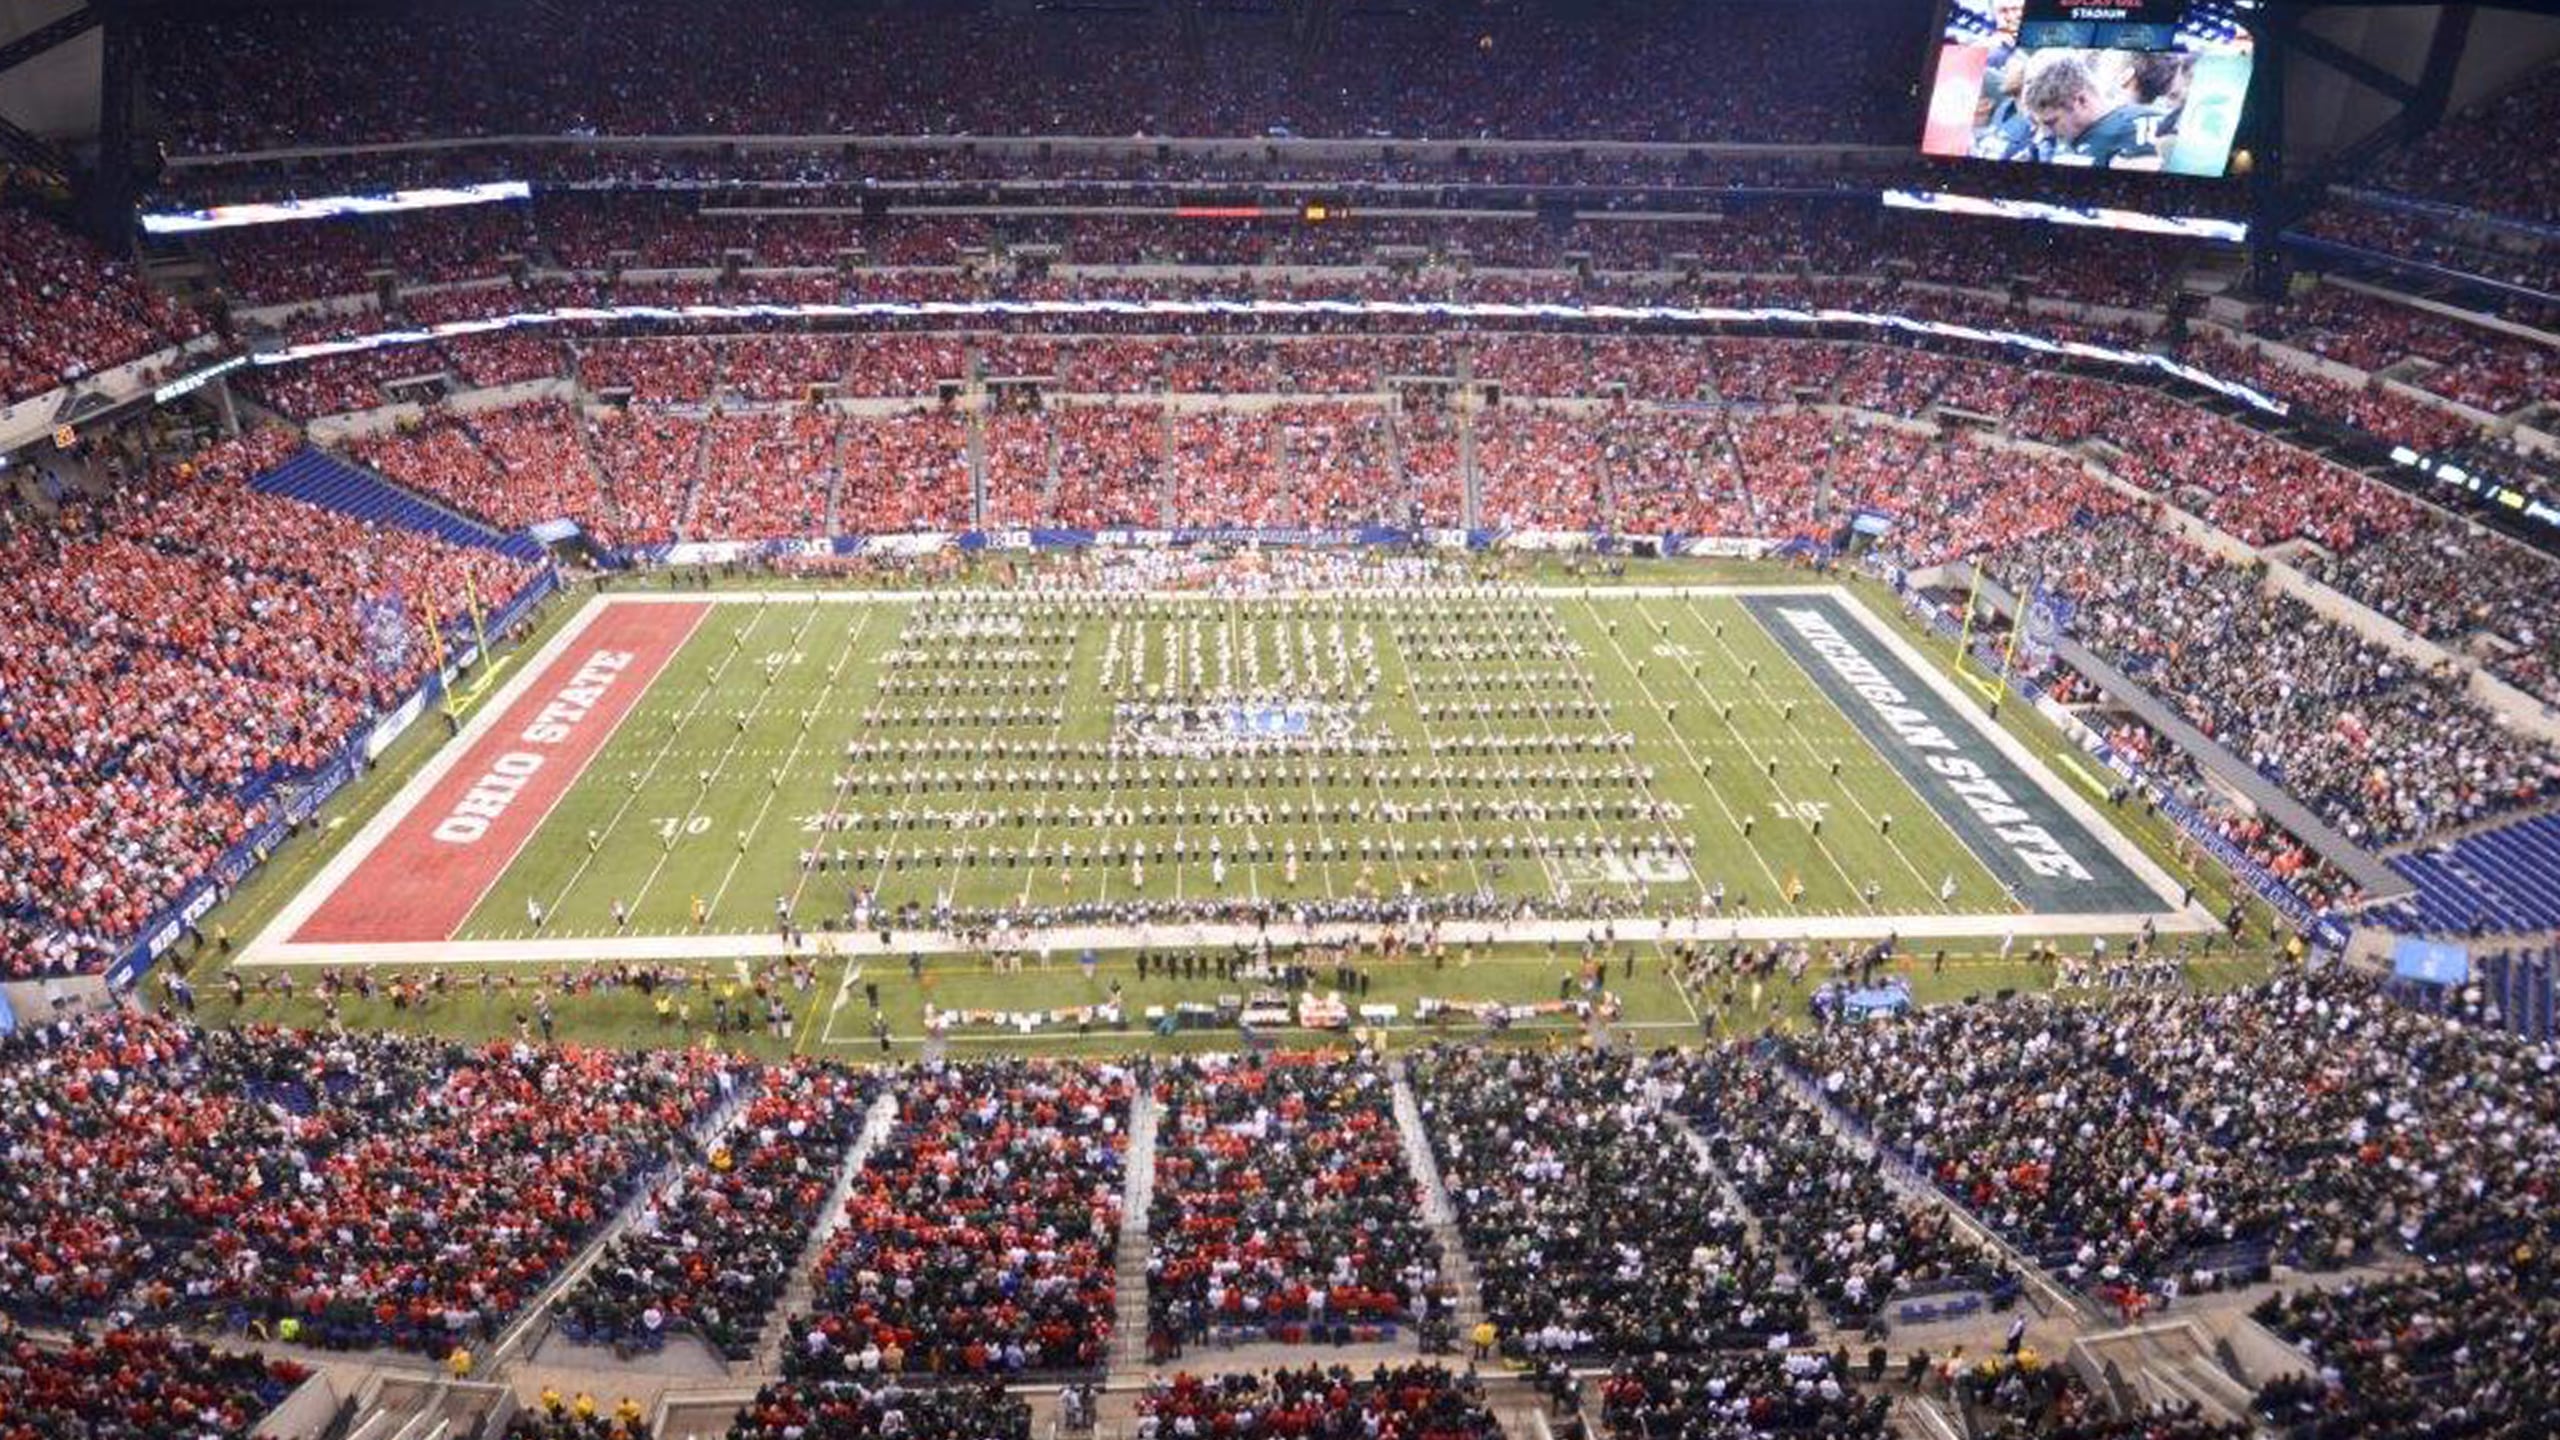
x=1441, y=1215
x=1129, y=1292
x=532, y=1326
x=2051, y=1297
x=1923, y=1418
x=2169, y=1364
x=2504, y=879
x=2526, y=987
x=1724, y=1187
x=316, y=477
x=803, y=1289
x=836, y=455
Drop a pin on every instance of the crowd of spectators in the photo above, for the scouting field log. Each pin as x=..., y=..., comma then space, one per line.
x=766, y=474
x=833, y=173
x=2281, y=853
x=906, y=471
x=312, y=259
x=172, y=653
x=652, y=461
x=1282, y=1207
x=550, y=474
x=2259, y=489
x=711, y=1253
x=2029, y=1397
x=652, y=371
x=579, y=1417
x=1739, y=1397
x=2485, y=369
x=2490, y=157
x=440, y=457
x=1305, y=463
x=135, y=1385
x=244, y=82
x=2382, y=748
x=1972, y=275
x=2129, y=1143
x=1416, y=1401
x=860, y=1407
x=68, y=310
x=2458, y=248
x=1851, y=1240
x=979, y=1238
x=1594, y=1226
x=482, y=362
x=1632, y=468
x=2268, y=490
x=2462, y=1349
x=344, y=1190
x=1110, y=467
x=2448, y=582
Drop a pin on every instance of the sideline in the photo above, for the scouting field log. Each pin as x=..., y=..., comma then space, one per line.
x=1204, y=936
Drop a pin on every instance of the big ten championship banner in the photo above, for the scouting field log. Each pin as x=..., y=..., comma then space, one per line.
x=2042, y=629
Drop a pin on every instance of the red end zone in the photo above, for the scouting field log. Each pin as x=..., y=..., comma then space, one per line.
x=429, y=872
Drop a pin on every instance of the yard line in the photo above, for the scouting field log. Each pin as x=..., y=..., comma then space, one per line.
x=631, y=793
x=1777, y=889
x=1307, y=779
x=1358, y=764
x=884, y=861
x=1581, y=676
x=1469, y=679
x=1110, y=766
x=1057, y=731
x=852, y=641
x=1431, y=756
x=1848, y=792
x=720, y=766
x=1748, y=749
x=836, y=795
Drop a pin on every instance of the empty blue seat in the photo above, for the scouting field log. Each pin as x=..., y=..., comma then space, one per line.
x=2506, y=879
x=318, y=478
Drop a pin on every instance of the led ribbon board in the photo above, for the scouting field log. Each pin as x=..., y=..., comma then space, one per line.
x=2096, y=216
x=1273, y=309
x=331, y=207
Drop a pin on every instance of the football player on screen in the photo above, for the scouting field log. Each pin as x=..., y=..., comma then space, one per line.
x=2085, y=106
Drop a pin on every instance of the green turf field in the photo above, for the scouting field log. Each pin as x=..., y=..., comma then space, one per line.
x=827, y=1004
x=1740, y=768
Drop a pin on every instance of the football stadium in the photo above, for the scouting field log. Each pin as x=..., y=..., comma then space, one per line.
x=1279, y=720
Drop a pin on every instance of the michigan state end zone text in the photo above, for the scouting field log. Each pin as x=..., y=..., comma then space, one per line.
x=428, y=873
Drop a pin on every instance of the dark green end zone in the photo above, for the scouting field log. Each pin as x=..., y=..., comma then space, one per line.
x=2047, y=858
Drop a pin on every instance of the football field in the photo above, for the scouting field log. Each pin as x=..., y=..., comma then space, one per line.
x=677, y=775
